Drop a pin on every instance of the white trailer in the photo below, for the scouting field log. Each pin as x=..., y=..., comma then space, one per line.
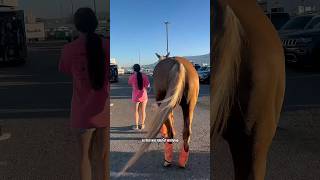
x=9, y=3
x=35, y=32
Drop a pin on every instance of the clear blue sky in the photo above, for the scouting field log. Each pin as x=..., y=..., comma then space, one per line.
x=139, y=24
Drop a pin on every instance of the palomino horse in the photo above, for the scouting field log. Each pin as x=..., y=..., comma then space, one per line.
x=247, y=84
x=175, y=82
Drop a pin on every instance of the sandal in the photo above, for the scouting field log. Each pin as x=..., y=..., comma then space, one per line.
x=135, y=128
x=142, y=126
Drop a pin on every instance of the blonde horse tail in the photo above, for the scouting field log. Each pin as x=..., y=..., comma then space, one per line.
x=173, y=97
x=227, y=60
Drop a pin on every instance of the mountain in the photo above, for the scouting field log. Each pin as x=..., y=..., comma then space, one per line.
x=201, y=59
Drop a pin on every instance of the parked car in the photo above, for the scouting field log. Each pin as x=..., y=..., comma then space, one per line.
x=197, y=66
x=114, y=77
x=204, y=74
x=300, y=23
x=302, y=47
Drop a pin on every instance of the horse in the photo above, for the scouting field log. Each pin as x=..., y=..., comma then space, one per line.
x=247, y=84
x=176, y=82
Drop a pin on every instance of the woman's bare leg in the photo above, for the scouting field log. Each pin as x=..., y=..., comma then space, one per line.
x=102, y=137
x=136, y=114
x=143, y=112
x=85, y=140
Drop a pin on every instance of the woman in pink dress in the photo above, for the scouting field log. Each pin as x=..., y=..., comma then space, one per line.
x=139, y=83
x=87, y=61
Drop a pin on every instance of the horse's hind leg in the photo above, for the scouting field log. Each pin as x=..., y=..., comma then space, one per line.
x=249, y=152
x=187, y=109
x=241, y=150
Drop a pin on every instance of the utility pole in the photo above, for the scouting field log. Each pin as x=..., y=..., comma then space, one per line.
x=166, y=23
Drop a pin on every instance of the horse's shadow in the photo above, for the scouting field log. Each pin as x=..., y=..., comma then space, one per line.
x=150, y=166
x=125, y=130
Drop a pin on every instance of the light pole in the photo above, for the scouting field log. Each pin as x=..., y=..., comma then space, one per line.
x=72, y=6
x=94, y=6
x=166, y=23
x=139, y=57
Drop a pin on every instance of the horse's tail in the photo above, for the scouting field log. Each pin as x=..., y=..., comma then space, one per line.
x=173, y=97
x=227, y=58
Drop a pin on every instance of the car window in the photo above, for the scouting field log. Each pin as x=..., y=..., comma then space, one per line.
x=317, y=26
x=297, y=23
x=313, y=23
x=279, y=19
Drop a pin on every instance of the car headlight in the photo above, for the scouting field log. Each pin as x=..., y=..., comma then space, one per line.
x=304, y=40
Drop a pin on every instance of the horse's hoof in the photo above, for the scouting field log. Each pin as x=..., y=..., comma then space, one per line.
x=166, y=163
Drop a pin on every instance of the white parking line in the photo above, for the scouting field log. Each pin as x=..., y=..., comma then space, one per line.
x=304, y=76
x=303, y=106
x=12, y=111
x=31, y=83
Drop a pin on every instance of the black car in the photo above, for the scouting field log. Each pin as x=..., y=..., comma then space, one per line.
x=204, y=74
x=114, y=73
x=278, y=19
x=302, y=46
x=197, y=66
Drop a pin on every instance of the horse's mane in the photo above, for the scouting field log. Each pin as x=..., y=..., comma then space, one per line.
x=226, y=59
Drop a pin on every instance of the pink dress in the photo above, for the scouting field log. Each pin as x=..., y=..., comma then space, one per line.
x=137, y=94
x=89, y=108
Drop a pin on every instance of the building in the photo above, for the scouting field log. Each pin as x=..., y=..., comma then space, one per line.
x=264, y=5
x=306, y=9
x=113, y=61
x=9, y=3
x=35, y=30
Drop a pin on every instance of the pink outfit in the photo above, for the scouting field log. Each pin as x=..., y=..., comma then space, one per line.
x=89, y=108
x=139, y=95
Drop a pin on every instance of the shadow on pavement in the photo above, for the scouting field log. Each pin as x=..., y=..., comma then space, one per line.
x=150, y=166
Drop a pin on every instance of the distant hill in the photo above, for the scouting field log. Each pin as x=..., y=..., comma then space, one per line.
x=201, y=59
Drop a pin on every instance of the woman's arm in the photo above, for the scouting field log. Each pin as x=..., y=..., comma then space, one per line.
x=130, y=80
x=65, y=61
x=146, y=81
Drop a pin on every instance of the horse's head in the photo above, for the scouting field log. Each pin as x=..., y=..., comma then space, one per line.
x=162, y=57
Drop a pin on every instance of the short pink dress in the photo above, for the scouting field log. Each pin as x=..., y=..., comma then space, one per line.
x=89, y=108
x=137, y=94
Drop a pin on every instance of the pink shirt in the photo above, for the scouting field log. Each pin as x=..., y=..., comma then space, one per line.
x=89, y=108
x=137, y=94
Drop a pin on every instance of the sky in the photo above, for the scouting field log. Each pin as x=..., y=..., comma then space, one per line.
x=138, y=25
x=58, y=8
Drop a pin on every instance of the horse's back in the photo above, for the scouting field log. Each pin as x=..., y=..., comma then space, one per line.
x=162, y=77
x=162, y=68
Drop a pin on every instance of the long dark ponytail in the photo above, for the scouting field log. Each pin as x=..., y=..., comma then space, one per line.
x=86, y=22
x=136, y=68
